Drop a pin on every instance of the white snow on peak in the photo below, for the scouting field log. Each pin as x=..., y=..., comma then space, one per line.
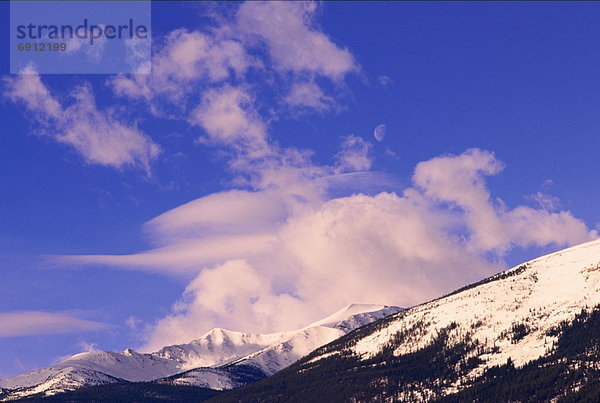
x=284, y=348
x=217, y=347
x=347, y=312
x=91, y=368
x=267, y=352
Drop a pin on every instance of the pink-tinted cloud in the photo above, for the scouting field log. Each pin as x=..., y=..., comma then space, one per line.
x=27, y=323
x=294, y=43
x=99, y=136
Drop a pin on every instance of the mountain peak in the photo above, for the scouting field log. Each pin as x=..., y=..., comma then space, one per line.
x=350, y=311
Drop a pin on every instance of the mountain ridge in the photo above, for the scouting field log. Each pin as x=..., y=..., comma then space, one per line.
x=223, y=359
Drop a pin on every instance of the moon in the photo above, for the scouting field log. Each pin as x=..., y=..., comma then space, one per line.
x=379, y=132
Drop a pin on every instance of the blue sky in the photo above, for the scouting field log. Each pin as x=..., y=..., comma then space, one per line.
x=267, y=129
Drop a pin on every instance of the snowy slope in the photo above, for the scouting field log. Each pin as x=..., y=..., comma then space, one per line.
x=296, y=344
x=539, y=294
x=512, y=315
x=92, y=368
x=219, y=347
x=283, y=349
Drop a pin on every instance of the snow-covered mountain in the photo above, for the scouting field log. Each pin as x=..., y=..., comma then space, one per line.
x=279, y=350
x=538, y=322
x=221, y=359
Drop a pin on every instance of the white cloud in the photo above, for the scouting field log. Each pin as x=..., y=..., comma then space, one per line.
x=545, y=201
x=29, y=89
x=28, y=323
x=533, y=227
x=460, y=181
x=138, y=55
x=228, y=118
x=87, y=346
x=185, y=58
x=185, y=257
x=353, y=155
x=291, y=255
x=391, y=154
x=98, y=136
x=228, y=212
x=293, y=41
x=94, y=52
x=385, y=81
x=246, y=302
x=309, y=95
x=134, y=324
